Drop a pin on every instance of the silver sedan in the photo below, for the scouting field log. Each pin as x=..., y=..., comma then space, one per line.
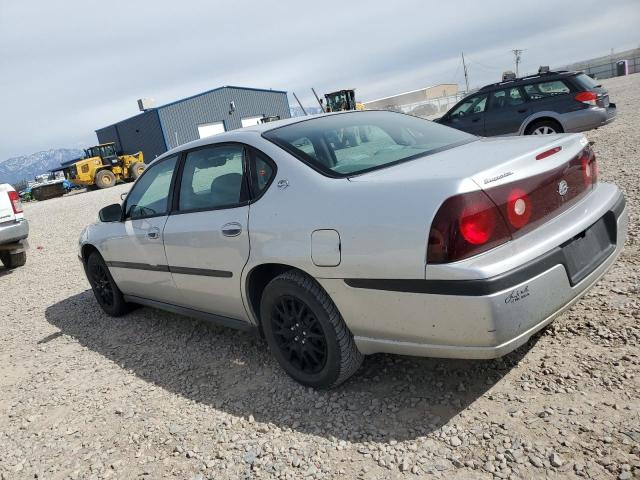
x=337, y=236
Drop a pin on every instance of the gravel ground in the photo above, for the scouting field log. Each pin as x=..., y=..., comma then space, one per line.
x=156, y=395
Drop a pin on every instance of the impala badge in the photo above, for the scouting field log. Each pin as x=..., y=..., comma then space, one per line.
x=282, y=184
x=563, y=188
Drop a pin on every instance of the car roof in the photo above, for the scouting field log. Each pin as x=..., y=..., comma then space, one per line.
x=528, y=80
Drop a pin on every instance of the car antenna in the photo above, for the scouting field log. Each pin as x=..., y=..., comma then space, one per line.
x=299, y=103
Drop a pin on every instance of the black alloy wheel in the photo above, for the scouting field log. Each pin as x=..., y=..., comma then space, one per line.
x=104, y=287
x=306, y=333
x=101, y=284
x=299, y=334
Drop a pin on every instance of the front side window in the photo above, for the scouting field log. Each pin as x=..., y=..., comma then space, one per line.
x=212, y=178
x=541, y=90
x=150, y=195
x=509, y=97
x=470, y=106
x=355, y=142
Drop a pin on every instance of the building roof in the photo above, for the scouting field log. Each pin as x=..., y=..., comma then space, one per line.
x=424, y=89
x=215, y=90
x=189, y=98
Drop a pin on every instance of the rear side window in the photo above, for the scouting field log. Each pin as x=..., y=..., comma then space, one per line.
x=263, y=171
x=541, y=90
x=212, y=178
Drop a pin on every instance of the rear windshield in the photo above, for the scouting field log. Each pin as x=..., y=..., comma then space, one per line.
x=350, y=143
x=586, y=82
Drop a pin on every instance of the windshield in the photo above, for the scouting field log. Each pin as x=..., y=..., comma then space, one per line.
x=356, y=142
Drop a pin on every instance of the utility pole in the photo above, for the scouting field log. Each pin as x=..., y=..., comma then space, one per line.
x=466, y=75
x=517, y=52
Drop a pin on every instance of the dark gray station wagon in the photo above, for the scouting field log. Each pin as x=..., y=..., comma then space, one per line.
x=546, y=103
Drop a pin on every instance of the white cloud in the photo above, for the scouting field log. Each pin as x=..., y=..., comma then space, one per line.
x=71, y=67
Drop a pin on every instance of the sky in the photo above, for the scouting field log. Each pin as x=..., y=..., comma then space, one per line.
x=70, y=67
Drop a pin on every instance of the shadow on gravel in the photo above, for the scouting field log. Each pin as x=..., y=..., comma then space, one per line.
x=391, y=397
x=4, y=271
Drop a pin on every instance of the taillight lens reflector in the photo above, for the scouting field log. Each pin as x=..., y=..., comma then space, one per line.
x=590, y=98
x=16, y=204
x=548, y=153
x=519, y=208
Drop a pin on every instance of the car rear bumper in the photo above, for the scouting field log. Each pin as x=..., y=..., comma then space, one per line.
x=589, y=118
x=475, y=318
x=12, y=232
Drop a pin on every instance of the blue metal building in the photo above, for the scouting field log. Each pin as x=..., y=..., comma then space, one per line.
x=159, y=129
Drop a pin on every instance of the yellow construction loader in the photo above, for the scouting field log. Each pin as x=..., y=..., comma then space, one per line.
x=341, y=100
x=101, y=166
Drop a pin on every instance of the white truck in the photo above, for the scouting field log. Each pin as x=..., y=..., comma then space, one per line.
x=14, y=228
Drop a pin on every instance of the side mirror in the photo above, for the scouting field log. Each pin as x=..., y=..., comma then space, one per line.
x=111, y=213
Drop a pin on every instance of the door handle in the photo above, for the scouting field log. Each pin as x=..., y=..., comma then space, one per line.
x=522, y=110
x=475, y=120
x=231, y=229
x=153, y=233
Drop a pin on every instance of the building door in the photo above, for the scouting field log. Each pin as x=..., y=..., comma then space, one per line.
x=208, y=129
x=250, y=121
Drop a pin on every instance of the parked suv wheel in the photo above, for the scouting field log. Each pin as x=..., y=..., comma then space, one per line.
x=104, y=288
x=306, y=333
x=543, y=127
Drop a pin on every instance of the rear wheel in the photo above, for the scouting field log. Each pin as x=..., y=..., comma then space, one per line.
x=105, y=179
x=13, y=260
x=306, y=333
x=544, y=127
x=136, y=170
x=104, y=288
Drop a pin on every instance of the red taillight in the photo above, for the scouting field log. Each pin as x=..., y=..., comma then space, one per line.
x=16, y=204
x=465, y=225
x=590, y=98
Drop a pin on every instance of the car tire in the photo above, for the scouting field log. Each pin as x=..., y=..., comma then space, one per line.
x=306, y=332
x=13, y=259
x=105, y=179
x=136, y=170
x=544, y=127
x=104, y=287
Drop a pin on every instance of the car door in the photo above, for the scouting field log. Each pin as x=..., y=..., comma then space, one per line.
x=506, y=111
x=134, y=251
x=206, y=238
x=468, y=115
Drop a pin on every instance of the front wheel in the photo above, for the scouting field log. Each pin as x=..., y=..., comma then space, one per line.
x=104, y=288
x=306, y=333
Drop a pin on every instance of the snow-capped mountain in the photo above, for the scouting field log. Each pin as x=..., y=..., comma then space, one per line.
x=25, y=167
